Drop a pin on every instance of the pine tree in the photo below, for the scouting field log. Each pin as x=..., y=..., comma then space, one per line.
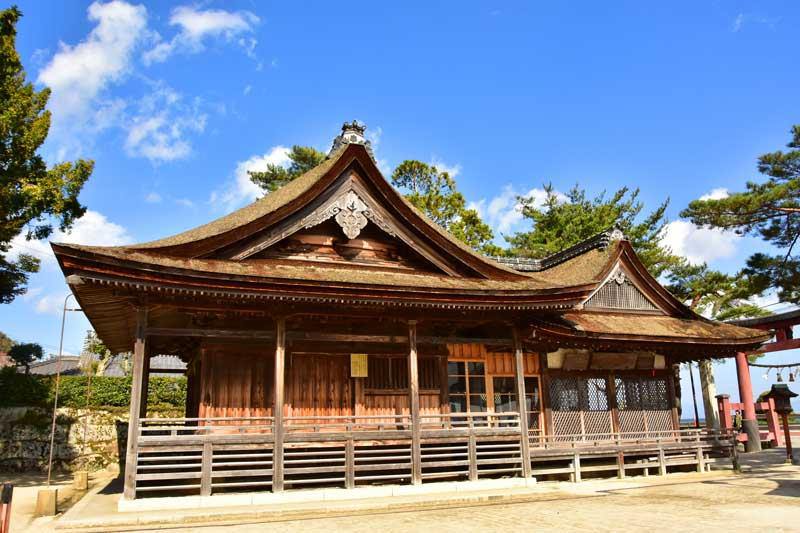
x=769, y=209
x=33, y=197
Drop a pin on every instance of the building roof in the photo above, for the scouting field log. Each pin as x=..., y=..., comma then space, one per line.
x=230, y=260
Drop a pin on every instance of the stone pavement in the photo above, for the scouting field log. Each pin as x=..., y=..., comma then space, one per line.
x=766, y=497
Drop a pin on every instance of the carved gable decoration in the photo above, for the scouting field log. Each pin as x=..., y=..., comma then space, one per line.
x=351, y=213
x=619, y=292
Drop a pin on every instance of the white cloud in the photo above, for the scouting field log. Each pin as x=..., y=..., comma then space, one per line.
x=153, y=198
x=715, y=194
x=699, y=245
x=196, y=26
x=185, y=202
x=441, y=166
x=79, y=74
x=737, y=23
x=50, y=304
x=247, y=89
x=242, y=189
x=158, y=129
x=92, y=228
x=504, y=212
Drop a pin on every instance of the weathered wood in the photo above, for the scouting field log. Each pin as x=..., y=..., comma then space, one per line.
x=621, y=465
x=145, y=384
x=662, y=462
x=413, y=391
x=277, y=410
x=210, y=333
x=519, y=376
x=576, y=467
x=700, y=460
x=205, y=470
x=444, y=389
x=473, y=457
x=129, y=490
x=349, y=461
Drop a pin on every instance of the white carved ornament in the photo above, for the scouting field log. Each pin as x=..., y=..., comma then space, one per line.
x=351, y=213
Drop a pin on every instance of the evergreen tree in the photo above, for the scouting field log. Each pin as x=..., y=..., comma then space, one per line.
x=303, y=159
x=560, y=222
x=25, y=353
x=32, y=196
x=769, y=209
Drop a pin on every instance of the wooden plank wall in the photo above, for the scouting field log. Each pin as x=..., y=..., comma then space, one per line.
x=319, y=385
x=497, y=363
x=236, y=381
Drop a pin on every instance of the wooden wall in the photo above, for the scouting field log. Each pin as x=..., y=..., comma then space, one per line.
x=236, y=381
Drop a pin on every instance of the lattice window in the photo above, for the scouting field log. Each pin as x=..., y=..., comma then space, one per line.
x=580, y=406
x=620, y=293
x=643, y=404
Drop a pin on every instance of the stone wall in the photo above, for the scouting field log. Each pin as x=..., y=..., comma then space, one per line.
x=91, y=439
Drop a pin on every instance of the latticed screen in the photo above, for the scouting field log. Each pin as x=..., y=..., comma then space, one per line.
x=505, y=397
x=578, y=394
x=580, y=406
x=642, y=394
x=643, y=404
x=625, y=295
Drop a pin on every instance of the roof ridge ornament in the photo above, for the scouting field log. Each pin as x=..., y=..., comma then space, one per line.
x=352, y=133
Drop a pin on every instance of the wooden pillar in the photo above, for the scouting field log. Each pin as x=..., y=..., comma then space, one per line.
x=749, y=422
x=519, y=376
x=277, y=407
x=145, y=384
x=725, y=418
x=673, y=400
x=413, y=391
x=129, y=490
x=545, y=391
x=444, y=389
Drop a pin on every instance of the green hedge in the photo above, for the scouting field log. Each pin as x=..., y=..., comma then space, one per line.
x=19, y=390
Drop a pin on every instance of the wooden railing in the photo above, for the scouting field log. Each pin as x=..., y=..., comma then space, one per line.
x=210, y=455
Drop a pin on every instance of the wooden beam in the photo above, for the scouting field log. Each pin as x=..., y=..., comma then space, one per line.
x=203, y=332
x=413, y=390
x=131, y=455
x=319, y=336
x=779, y=346
x=519, y=375
x=277, y=409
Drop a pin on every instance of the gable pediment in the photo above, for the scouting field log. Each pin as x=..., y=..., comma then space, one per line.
x=348, y=215
x=620, y=292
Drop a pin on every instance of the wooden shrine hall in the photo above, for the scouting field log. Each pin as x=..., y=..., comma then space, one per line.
x=334, y=336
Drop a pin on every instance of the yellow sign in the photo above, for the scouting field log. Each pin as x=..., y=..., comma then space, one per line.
x=358, y=365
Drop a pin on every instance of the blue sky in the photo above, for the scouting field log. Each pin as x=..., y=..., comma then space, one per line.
x=175, y=100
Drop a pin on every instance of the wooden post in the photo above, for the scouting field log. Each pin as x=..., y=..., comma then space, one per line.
x=621, y=465
x=277, y=407
x=576, y=465
x=472, y=452
x=673, y=401
x=749, y=422
x=145, y=384
x=725, y=418
x=131, y=455
x=519, y=375
x=701, y=465
x=205, y=470
x=444, y=390
x=545, y=391
x=773, y=423
x=349, y=463
x=662, y=462
x=413, y=391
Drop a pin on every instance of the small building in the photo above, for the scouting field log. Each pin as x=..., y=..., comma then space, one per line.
x=333, y=335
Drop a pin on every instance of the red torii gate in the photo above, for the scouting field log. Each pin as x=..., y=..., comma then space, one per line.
x=781, y=324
